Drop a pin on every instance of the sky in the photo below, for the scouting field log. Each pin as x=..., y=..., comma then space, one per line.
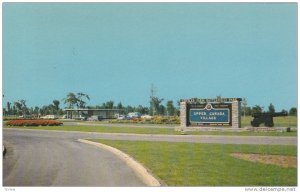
x=116, y=51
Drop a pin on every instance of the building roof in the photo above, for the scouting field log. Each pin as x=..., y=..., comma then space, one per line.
x=94, y=109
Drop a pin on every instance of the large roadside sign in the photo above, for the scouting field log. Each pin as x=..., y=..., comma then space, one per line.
x=209, y=114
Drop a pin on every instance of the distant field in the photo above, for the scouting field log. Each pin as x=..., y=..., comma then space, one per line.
x=288, y=121
x=194, y=164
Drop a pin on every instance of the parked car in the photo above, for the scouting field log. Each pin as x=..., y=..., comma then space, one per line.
x=50, y=117
x=81, y=117
x=146, y=117
x=95, y=118
x=134, y=115
x=122, y=117
x=25, y=116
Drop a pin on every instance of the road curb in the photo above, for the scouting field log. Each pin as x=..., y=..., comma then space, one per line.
x=3, y=149
x=140, y=170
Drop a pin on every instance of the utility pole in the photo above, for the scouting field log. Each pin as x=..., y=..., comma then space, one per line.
x=152, y=93
x=244, y=104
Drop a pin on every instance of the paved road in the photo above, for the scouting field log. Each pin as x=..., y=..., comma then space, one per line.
x=42, y=159
x=56, y=158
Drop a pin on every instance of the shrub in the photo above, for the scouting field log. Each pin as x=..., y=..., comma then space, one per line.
x=25, y=122
x=153, y=120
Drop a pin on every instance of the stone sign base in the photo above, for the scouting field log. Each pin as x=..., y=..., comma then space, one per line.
x=228, y=129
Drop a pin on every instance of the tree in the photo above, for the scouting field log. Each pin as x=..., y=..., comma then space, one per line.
x=154, y=105
x=293, y=111
x=257, y=109
x=56, y=105
x=154, y=102
x=71, y=100
x=78, y=100
x=36, y=111
x=20, y=107
x=141, y=109
x=81, y=99
x=120, y=106
x=170, y=108
x=128, y=109
x=161, y=110
x=219, y=97
x=271, y=108
x=248, y=111
x=244, y=106
x=109, y=105
x=8, y=108
x=24, y=107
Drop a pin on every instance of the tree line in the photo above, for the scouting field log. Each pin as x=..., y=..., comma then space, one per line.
x=156, y=107
x=248, y=111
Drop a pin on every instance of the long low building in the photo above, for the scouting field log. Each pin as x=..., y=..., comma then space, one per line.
x=102, y=113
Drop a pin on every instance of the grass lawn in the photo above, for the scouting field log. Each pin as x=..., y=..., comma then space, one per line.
x=194, y=164
x=143, y=130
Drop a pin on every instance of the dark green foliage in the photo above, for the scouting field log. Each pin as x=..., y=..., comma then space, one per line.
x=257, y=109
x=293, y=111
x=271, y=108
x=171, y=110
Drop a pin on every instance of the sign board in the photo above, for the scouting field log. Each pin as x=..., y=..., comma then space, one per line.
x=209, y=114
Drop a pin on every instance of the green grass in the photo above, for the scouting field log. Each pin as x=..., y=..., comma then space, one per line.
x=143, y=130
x=104, y=129
x=194, y=164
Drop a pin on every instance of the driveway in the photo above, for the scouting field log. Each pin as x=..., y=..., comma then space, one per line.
x=42, y=159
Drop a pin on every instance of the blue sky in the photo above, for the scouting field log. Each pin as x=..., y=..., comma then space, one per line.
x=115, y=51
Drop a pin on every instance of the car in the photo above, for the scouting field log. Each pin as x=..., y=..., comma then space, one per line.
x=25, y=116
x=50, y=117
x=95, y=118
x=146, y=117
x=82, y=118
x=134, y=115
x=122, y=117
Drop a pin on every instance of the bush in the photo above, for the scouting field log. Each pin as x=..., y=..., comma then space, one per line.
x=25, y=122
x=153, y=120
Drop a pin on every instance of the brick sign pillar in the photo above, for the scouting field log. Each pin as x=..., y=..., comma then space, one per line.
x=183, y=117
x=236, y=114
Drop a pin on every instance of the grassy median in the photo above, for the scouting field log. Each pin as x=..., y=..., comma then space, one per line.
x=146, y=130
x=195, y=164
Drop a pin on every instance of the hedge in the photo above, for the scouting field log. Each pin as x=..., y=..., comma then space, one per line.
x=25, y=122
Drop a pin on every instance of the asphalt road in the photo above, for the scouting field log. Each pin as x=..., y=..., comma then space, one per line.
x=42, y=159
x=56, y=158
